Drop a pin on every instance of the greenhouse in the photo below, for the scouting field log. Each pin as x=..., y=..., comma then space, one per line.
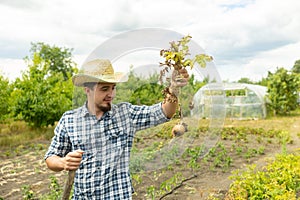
x=236, y=100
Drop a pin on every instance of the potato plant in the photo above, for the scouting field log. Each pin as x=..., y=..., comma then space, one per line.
x=280, y=179
x=177, y=58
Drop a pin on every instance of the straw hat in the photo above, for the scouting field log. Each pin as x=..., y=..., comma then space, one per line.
x=98, y=70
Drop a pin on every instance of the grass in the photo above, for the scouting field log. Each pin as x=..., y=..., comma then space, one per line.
x=18, y=133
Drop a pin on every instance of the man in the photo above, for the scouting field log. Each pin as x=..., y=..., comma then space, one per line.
x=96, y=139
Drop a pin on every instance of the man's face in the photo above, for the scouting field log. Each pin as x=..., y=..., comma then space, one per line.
x=102, y=95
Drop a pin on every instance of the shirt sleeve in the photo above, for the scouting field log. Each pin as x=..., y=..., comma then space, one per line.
x=60, y=144
x=148, y=116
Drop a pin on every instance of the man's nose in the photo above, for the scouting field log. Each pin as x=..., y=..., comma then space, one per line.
x=111, y=92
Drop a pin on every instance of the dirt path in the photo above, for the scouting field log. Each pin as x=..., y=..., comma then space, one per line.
x=26, y=171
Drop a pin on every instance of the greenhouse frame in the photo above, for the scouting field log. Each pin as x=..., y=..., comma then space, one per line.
x=236, y=100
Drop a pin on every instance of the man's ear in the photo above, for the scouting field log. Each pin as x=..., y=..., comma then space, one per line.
x=87, y=90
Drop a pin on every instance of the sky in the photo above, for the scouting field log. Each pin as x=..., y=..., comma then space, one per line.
x=247, y=38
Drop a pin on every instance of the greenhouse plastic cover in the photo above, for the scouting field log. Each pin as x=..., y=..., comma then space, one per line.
x=249, y=105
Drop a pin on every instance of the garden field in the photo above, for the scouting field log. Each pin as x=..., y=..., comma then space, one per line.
x=258, y=158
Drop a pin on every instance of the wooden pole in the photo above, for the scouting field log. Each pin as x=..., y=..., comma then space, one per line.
x=68, y=185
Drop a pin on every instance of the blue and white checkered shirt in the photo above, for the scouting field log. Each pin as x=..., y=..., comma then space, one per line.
x=104, y=170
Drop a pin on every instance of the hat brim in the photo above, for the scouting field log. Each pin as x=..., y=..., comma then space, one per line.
x=80, y=79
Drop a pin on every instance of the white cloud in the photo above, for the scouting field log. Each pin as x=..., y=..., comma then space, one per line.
x=273, y=59
x=12, y=68
x=258, y=66
x=238, y=33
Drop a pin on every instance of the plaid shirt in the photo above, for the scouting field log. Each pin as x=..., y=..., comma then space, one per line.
x=104, y=170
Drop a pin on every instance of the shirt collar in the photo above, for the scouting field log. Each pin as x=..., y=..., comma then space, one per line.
x=85, y=112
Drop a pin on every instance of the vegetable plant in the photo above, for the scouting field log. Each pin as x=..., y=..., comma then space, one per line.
x=177, y=58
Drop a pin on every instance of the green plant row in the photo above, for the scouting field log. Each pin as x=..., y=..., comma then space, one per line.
x=280, y=179
x=55, y=191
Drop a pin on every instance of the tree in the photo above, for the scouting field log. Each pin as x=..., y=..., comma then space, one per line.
x=5, y=91
x=139, y=90
x=45, y=91
x=147, y=91
x=263, y=82
x=296, y=67
x=147, y=94
x=57, y=59
x=282, y=91
x=245, y=80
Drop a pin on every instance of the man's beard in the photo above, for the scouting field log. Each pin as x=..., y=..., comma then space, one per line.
x=104, y=108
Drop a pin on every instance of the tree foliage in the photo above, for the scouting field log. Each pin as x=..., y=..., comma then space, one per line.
x=5, y=91
x=57, y=59
x=148, y=91
x=282, y=91
x=45, y=91
x=296, y=67
x=147, y=94
x=245, y=80
x=139, y=90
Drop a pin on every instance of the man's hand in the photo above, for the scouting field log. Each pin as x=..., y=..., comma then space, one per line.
x=184, y=77
x=179, y=79
x=72, y=160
